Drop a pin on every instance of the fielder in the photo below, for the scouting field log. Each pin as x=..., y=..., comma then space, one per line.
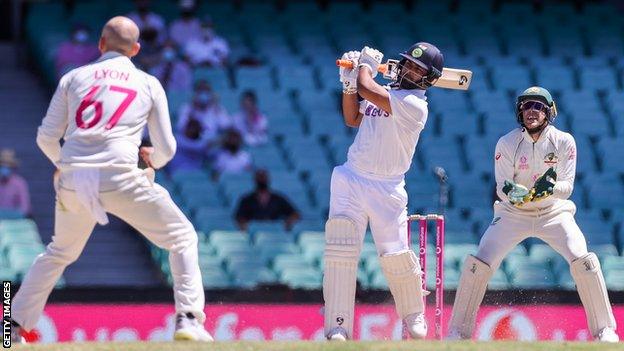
x=370, y=189
x=535, y=167
x=100, y=111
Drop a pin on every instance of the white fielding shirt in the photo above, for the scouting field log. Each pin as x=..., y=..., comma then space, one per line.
x=100, y=110
x=520, y=159
x=385, y=144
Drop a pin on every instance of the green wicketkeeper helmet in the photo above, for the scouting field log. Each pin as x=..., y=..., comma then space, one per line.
x=536, y=94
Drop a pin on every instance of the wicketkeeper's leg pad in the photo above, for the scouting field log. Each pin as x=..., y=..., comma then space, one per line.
x=472, y=285
x=342, y=253
x=591, y=287
x=403, y=272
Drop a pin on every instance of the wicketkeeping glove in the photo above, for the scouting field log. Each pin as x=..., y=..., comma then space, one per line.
x=544, y=185
x=517, y=194
x=371, y=58
x=348, y=76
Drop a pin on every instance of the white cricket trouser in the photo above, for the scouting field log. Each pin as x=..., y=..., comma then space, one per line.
x=381, y=202
x=510, y=226
x=145, y=206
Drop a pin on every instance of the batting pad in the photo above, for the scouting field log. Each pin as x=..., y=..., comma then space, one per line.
x=472, y=284
x=591, y=287
x=342, y=253
x=403, y=273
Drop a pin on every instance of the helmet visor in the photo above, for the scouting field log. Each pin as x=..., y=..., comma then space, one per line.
x=533, y=105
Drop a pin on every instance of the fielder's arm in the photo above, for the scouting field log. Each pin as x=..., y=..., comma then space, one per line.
x=566, y=170
x=371, y=91
x=159, y=126
x=503, y=169
x=54, y=123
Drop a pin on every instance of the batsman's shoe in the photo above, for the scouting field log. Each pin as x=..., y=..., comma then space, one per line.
x=337, y=334
x=188, y=328
x=416, y=325
x=16, y=334
x=607, y=335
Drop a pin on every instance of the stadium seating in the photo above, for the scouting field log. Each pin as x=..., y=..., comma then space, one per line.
x=298, y=87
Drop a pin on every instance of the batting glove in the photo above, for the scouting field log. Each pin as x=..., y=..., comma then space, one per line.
x=371, y=58
x=348, y=76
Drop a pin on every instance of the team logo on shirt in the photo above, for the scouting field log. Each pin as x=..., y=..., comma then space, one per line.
x=498, y=155
x=524, y=163
x=551, y=159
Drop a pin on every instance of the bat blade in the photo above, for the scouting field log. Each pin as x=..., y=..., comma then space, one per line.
x=453, y=78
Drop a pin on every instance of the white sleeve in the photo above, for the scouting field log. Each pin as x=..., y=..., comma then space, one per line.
x=54, y=123
x=503, y=167
x=363, y=105
x=566, y=169
x=408, y=109
x=159, y=126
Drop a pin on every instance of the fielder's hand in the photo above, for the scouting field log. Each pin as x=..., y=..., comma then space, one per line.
x=145, y=152
x=348, y=76
x=544, y=185
x=371, y=58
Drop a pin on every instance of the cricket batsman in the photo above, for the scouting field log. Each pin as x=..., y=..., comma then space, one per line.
x=370, y=189
x=535, y=166
x=100, y=110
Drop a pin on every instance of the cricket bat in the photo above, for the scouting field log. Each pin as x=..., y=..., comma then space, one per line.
x=452, y=78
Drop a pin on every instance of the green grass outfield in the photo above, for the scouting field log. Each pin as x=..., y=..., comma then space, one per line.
x=313, y=346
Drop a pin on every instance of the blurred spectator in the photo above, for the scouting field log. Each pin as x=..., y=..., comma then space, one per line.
x=145, y=18
x=231, y=158
x=193, y=147
x=205, y=108
x=249, y=121
x=209, y=49
x=76, y=52
x=265, y=205
x=188, y=26
x=150, y=54
x=173, y=73
x=14, y=194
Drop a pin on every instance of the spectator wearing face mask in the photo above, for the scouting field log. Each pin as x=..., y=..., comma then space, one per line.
x=209, y=49
x=188, y=26
x=76, y=52
x=173, y=73
x=205, y=108
x=263, y=204
x=150, y=54
x=231, y=158
x=194, y=147
x=145, y=18
x=14, y=194
x=249, y=121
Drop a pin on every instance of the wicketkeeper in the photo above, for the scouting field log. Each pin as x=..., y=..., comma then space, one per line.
x=535, y=166
x=369, y=188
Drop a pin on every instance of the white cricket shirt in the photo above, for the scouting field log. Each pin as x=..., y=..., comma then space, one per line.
x=100, y=110
x=385, y=143
x=522, y=160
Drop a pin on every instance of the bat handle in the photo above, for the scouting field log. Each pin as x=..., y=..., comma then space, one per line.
x=349, y=64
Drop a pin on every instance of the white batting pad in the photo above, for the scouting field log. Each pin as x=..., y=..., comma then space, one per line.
x=472, y=284
x=403, y=273
x=593, y=292
x=342, y=253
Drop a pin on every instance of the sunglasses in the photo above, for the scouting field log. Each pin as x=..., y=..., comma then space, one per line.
x=534, y=105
